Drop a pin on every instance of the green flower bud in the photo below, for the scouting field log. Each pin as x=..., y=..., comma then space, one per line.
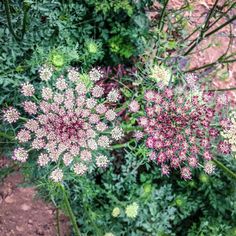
x=204, y=178
x=179, y=201
x=19, y=69
x=58, y=60
x=147, y=188
x=116, y=212
x=192, y=184
x=92, y=47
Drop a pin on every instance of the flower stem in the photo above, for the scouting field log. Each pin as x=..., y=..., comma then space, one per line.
x=9, y=21
x=117, y=146
x=70, y=212
x=58, y=222
x=225, y=169
x=161, y=23
x=221, y=90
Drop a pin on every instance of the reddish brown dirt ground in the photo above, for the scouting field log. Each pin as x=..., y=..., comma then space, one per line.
x=22, y=213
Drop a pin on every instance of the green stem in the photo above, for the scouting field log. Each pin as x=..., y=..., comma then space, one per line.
x=70, y=212
x=10, y=137
x=221, y=26
x=9, y=21
x=225, y=169
x=221, y=90
x=8, y=14
x=220, y=17
x=24, y=23
x=221, y=60
x=205, y=27
x=117, y=146
x=161, y=25
x=198, y=40
x=58, y=222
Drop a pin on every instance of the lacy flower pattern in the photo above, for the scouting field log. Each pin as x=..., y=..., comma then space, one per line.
x=179, y=130
x=69, y=125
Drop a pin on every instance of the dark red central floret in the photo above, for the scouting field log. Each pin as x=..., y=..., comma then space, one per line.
x=66, y=127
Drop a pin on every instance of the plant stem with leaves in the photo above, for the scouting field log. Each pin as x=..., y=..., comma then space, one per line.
x=69, y=211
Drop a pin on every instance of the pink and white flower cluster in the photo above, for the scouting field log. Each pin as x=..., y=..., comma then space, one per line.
x=70, y=123
x=179, y=130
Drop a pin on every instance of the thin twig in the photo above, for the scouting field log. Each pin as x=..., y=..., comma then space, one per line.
x=198, y=40
x=221, y=90
x=161, y=25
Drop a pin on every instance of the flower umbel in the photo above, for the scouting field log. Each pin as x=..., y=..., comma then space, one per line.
x=132, y=210
x=69, y=126
x=179, y=129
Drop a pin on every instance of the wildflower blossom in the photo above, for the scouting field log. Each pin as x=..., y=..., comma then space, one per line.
x=66, y=126
x=57, y=175
x=95, y=74
x=30, y=107
x=80, y=169
x=229, y=133
x=43, y=159
x=11, y=115
x=109, y=234
x=117, y=133
x=113, y=95
x=27, y=89
x=209, y=167
x=45, y=73
x=47, y=93
x=73, y=74
x=97, y=91
x=132, y=210
x=224, y=147
x=23, y=136
x=115, y=212
x=102, y=161
x=178, y=129
x=160, y=74
x=134, y=106
x=61, y=84
x=20, y=154
x=138, y=134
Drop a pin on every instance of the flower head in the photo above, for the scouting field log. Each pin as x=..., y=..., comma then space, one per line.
x=160, y=74
x=67, y=125
x=229, y=133
x=209, y=167
x=27, y=89
x=45, y=72
x=20, y=154
x=11, y=115
x=95, y=74
x=57, y=175
x=115, y=212
x=178, y=129
x=132, y=210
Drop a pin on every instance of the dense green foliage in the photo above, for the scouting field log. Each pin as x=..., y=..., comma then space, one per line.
x=107, y=33
x=88, y=32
